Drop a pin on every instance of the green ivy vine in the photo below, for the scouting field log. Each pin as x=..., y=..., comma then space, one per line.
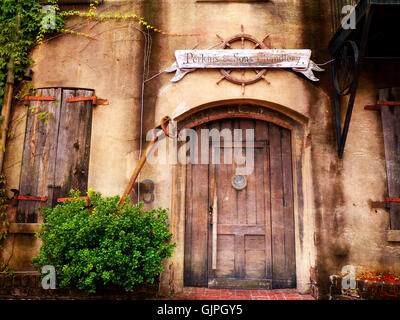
x=20, y=29
x=4, y=222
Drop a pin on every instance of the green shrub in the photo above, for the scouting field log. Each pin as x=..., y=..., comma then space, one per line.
x=93, y=247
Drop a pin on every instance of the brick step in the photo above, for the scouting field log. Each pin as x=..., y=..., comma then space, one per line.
x=195, y=293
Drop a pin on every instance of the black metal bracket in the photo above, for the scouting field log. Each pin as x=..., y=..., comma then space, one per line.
x=347, y=57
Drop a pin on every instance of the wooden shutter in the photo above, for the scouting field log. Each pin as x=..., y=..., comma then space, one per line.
x=72, y=161
x=56, y=151
x=391, y=135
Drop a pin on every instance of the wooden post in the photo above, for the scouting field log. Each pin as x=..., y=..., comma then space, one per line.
x=164, y=124
x=5, y=116
x=5, y=111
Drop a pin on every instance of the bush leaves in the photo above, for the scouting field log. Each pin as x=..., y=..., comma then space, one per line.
x=93, y=247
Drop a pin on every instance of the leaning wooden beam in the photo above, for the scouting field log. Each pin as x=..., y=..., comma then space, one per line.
x=163, y=125
x=6, y=110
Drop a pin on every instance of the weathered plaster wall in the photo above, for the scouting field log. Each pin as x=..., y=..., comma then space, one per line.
x=353, y=232
x=335, y=225
x=369, y=171
x=287, y=93
x=112, y=66
x=347, y=230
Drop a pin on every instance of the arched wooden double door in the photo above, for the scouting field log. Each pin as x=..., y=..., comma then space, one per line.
x=241, y=238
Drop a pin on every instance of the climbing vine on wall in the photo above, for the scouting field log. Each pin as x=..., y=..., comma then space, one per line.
x=92, y=14
x=4, y=221
x=20, y=28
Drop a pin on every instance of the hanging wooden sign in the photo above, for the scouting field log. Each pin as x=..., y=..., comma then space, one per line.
x=242, y=58
x=190, y=60
x=229, y=59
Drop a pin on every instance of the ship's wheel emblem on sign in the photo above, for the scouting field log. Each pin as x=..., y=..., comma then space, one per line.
x=243, y=77
x=243, y=60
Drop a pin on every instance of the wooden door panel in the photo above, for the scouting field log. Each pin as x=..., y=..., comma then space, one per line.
x=247, y=204
x=225, y=256
x=189, y=221
x=227, y=199
x=260, y=194
x=277, y=220
x=263, y=131
x=255, y=256
x=282, y=223
x=288, y=209
x=254, y=233
x=241, y=229
x=196, y=235
x=241, y=217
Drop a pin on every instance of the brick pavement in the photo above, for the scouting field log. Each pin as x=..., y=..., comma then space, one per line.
x=194, y=293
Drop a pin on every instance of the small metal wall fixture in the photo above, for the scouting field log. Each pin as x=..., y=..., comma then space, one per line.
x=239, y=182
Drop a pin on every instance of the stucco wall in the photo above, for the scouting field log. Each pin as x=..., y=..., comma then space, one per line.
x=287, y=93
x=337, y=225
x=112, y=66
x=350, y=230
